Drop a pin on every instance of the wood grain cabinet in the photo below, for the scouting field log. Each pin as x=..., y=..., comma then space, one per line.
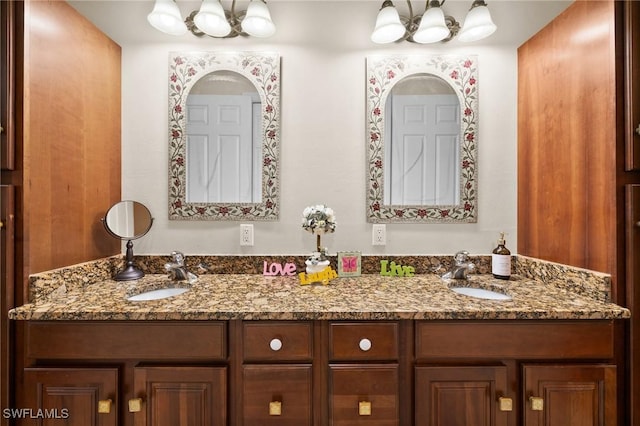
x=569, y=395
x=70, y=396
x=462, y=395
x=179, y=395
x=321, y=373
x=139, y=373
x=277, y=373
x=364, y=374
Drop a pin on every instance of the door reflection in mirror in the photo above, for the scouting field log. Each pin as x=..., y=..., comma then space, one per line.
x=422, y=138
x=422, y=125
x=224, y=144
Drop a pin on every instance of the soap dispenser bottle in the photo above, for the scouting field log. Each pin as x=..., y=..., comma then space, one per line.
x=501, y=260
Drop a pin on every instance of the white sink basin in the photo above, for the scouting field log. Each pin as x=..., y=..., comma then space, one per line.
x=480, y=293
x=161, y=293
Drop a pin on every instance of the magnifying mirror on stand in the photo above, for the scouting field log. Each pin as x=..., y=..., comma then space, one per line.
x=128, y=220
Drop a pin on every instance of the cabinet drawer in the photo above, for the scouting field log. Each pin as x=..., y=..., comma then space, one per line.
x=364, y=394
x=363, y=341
x=160, y=340
x=277, y=395
x=277, y=341
x=509, y=339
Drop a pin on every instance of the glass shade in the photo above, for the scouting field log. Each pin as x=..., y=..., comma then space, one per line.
x=166, y=17
x=477, y=25
x=257, y=22
x=211, y=19
x=388, y=26
x=432, y=27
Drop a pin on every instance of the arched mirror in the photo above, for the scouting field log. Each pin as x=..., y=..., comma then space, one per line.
x=224, y=136
x=128, y=221
x=422, y=139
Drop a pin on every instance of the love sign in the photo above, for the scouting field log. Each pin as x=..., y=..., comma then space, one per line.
x=278, y=269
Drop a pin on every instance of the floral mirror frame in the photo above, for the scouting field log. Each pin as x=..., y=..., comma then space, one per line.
x=461, y=73
x=263, y=70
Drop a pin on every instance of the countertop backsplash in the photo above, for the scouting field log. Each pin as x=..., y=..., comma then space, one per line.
x=585, y=282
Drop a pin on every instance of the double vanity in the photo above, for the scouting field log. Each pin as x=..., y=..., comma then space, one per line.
x=248, y=349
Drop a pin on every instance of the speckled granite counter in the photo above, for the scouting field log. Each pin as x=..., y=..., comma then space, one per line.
x=252, y=296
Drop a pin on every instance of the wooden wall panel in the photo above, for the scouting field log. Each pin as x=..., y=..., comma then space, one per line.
x=71, y=136
x=567, y=139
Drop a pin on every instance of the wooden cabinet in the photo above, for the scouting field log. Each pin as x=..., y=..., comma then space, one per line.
x=179, y=395
x=572, y=167
x=364, y=374
x=462, y=395
x=70, y=396
x=569, y=395
x=322, y=373
x=514, y=391
x=277, y=373
x=140, y=373
x=277, y=395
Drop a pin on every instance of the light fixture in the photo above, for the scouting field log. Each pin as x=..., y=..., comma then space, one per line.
x=433, y=25
x=478, y=23
x=213, y=20
x=388, y=26
x=166, y=17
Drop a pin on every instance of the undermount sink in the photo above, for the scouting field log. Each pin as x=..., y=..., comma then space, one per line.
x=480, y=293
x=157, y=294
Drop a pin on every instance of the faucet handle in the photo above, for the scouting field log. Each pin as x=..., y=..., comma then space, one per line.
x=178, y=257
x=461, y=257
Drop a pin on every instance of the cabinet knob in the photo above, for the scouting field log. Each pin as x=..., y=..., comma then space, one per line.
x=364, y=408
x=506, y=404
x=104, y=406
x=365, y=345
x=135, y=405
x=275, y=408
x=537, y=403
x=2, y=129
x=638, y=130
x=275, y=344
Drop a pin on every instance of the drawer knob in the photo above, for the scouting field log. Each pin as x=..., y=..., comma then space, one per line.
x=275, y=408
x=506, y=404
x=537, y=403
x=364, y=408
x=104, y=406
x=365, y=345
x=275, y=344
x=135, y=405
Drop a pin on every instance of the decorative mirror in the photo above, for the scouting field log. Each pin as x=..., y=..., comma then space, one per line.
x=422, y=138
x=128, y=220
x=224, y=136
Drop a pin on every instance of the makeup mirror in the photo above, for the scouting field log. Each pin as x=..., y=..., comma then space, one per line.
x=128, y=221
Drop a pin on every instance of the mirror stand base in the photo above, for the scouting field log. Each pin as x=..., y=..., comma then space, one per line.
x=129, y=273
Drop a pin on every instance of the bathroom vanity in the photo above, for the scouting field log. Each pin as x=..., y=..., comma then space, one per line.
x=369, y=350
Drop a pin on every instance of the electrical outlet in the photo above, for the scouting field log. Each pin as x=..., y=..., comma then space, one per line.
x=246, y=234
x=379, y=235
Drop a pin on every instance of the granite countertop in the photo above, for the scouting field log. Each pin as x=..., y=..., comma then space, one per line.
x=258, y=297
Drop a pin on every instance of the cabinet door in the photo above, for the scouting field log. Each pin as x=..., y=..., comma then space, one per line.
x=70, y=397
x=364, y=395
x=278, y=395
x=7, y=84
x=461, y=396
x=184, y=396
x=632, y=82
x=569, y=395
